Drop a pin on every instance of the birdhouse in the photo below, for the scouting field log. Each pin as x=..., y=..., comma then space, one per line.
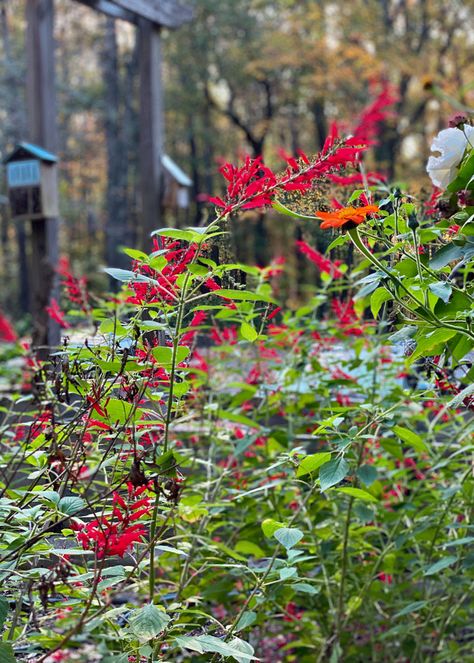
x=176, y=185
x=32, y=182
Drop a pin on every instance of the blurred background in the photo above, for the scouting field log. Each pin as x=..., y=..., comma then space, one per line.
x=244, y=77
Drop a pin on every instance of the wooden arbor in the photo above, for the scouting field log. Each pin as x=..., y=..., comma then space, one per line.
x=150, y=16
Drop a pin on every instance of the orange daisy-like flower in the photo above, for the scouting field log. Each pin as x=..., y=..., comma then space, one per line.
x=346, y=216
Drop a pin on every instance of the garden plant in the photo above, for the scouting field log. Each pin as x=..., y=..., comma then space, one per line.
x=206, y=473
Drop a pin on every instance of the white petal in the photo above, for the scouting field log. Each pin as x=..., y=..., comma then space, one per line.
x=451, y=144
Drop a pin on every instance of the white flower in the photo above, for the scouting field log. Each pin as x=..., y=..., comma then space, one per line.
x=451, y=143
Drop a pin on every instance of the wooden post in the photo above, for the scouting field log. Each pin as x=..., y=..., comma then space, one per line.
x=41, y=102
x=151, y=130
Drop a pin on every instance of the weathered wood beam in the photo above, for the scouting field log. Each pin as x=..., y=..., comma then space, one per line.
x=166, y=13
x=109, y=8
x=41, y=102
x=151, y=129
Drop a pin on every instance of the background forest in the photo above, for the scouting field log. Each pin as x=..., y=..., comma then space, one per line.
x=246, y=76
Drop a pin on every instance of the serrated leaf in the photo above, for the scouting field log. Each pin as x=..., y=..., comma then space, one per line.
x=147, y=622
x=311, y=463
x=333, y=472
x=288, y=536
x=440, y=565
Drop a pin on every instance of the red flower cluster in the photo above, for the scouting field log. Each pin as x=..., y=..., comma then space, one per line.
x=55, y=313
x=7, y=333
x=255, y=185
x=322, y=263
x=76, y=288
x=161, y=285
x=368, y=126
x=347, y=318
x=115, y=534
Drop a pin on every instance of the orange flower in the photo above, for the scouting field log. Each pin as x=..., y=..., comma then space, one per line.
x=350, y=216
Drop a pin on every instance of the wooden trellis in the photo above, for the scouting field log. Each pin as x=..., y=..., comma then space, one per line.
x=150, y=16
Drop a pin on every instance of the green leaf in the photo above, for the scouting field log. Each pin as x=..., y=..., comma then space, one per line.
x=126, y=275
x=243, y=295
x=270, y=526
x=120, y=411
x=6, y=653
x=246, y=619
x=176, y=233
x=333, y=472
x=4, y=608
x=358, y=493
x=459, y=542
x=147, y=622
x=288, y=537
x=339, y=241
x=305, y=587
x=237, y=418
x=440, y=565
x=410, y=438
x=288, y=572
x=412, y=607
x=457, y=303
x=248, y=332
x=209, y=643
x=312, y=463
x=377, y=298
x=464, y=174
x=428, y=343
x=250, y=548
x=442, y=290
x=279, y=207
x=367, y=474
x=164, y=355
x=449, y=253
x=71, y=505
x=135, y=254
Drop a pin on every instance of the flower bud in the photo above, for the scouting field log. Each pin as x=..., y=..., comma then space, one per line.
x=413, y=221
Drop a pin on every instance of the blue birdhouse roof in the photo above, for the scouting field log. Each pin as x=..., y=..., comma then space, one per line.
x=27, y=150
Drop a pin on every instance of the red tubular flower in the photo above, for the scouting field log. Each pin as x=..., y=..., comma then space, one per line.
x=322, y=263
x=347, y=318
x=115, y=534
x=7, y=333
x=56, y=314
x=76, y=288
x=254, y=185
x=371, y=118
